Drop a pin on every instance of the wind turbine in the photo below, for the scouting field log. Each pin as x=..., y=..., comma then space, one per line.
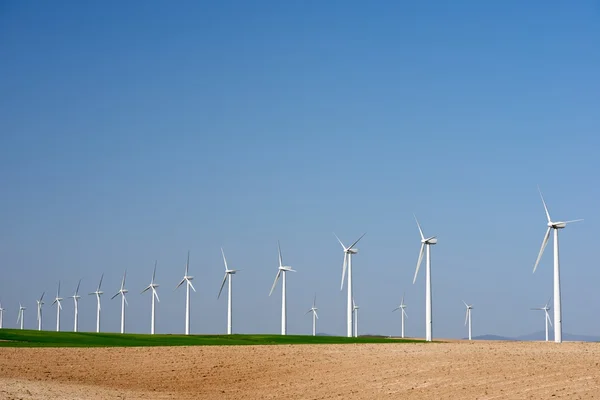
x=468, y=316
x=547, y=319
x=315, y=317
x=282, y=271
x=188, y=284
x=228, y=274
x=402, y=306
x=122, y=292
x=40, y=303
x=348, y=253
x=20, y=316
x=98, y=293
x=152, y=286
x=557, y=300
x=57, y=301
x=76, y=298
x=355, y=310
x=1, y=314
x=426, y=243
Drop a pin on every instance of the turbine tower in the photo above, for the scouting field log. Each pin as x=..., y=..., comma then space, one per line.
x=348, y=253
x=40, y=303
x=152, y=286
x=57, y=301
x=282, y=271
x=426, y=243
x=228, y=274
x=315, y=317
x=76, y=298
x=355, y=310
x=122, y=292
x=468, y=316
x=98, y=293
x=557, y=299
x=402, y=306
x=547, y=319
x=188, y=284
x=1, y=314
x=20, y=316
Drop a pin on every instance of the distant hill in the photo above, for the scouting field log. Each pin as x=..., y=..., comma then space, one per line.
x=491, y=337
x=540, y=336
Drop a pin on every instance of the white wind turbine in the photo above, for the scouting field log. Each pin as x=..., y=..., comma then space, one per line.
x=425, y=244
x=402, y=306
x=188, y=284
x=122, y=292
x=40, y=303
x=348, y=253
x=228, y=274
x=315, y=317
x=76, y=298
x=98, y=293
x=468, y=316
x=1, y=315
x=282, y=272
x=355, y=311
x=57, y=301
x=21, y=316
x=152, y=286
x=557, y=299
x=547, y=319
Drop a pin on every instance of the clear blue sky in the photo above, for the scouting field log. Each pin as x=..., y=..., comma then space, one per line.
x=132, y=132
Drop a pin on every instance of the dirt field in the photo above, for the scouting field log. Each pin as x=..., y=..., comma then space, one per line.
x=457, y=370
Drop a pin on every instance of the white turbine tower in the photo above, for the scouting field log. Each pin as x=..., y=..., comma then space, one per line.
x=402, y=306
x=228, y=274
x=468, y=316
x=21, y=316
x=57, y=301
x=98, y=293
x=282, y=272
x=40, y=303
x=348, y=253
x=1, y=314
x=547, y=319
x=188, y=284
x=315, y=317
x=122, y=292
x=355, y=311
x=425, y=244
x=152, y=286
x=76, y=298
x=557, y=299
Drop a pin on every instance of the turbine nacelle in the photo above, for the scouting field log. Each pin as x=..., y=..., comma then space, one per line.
x=286, y=268
x=351, y=251
x=432, y=240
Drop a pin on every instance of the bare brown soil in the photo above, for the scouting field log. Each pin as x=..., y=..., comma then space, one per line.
x=454, y=370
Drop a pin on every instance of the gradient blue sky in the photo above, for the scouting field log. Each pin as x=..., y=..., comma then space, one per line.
x=132, y=132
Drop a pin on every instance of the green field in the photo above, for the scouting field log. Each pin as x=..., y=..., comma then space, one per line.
x=27, y=338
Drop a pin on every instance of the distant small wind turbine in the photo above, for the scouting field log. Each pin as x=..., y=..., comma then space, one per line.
x=547, y=319
x=187, y=279
x=228, y=274
x=402, y=306
x=98, y=293
x=348, y=253
x=426, y=243
x=21, y=315
x=282, y=272
x=1, y=314
x=57, y=301
x=315, y=317
x=122, y=292
x=76, y=298
x=355, y=311
x=40, y=303
x=152, y=286
x=468, y=317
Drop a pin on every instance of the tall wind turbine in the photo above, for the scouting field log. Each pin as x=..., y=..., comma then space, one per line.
x=57, y=301
x=402, y=306
x=40, y=303
x=282, y=272
x=98, y=293
x=228, y=274
x=1, y=315
x=122, y=292
x=425, y=244
x=76, y=298
x=21, y=316
x=547, y=319
x=355, y=310
x=152, y=286
x=557, y=300
x=348, y=253
x=315, y=317
x=468, y=316
x=188, y=284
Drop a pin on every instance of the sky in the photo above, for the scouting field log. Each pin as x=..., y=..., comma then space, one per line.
x=132, y=133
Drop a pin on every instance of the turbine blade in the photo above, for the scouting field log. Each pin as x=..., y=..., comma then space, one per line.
x=549, y=319
x=544, y=203
x=180, y=283
x=275, y=282
x=338, y=239
x=308, y=311
x=402, y=301
x=192, y=286
x=357, y=240
x=405, y=314
x=41, y=298
x=544, y=244
x=315, y=301
x=396, y=309
x=344, y=270
x=222, y=284
x=466, y=305
x=58, y=291
x=316, y=315
x=154, y=273
x=548, y=302
x=115, y=295
x=100, y=284
x=224, y=259
x=573, y=220
x=187, y=264
x=125, y=298
x=419, y=262
x=146, y=289
x=59, y=305
x=419, y=226
x=279, y=254
x=155, y=294
x=77, y=290
x=123, y=281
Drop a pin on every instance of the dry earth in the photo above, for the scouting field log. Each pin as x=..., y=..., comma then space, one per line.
x=454, y=370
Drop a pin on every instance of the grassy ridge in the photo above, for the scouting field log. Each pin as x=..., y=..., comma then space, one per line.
x=27, y=338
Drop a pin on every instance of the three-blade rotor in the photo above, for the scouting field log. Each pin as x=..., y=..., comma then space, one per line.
x=281, y=270
x=314, y=308
x=58, y=299
x=228, y=272
x=348, y=251
x=469, y=308
x=187, y=278
x=122, y=291
x=424, y=242
x=152, y=286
